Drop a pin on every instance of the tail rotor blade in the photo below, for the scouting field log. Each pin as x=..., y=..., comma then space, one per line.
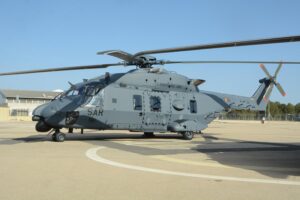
x=280, y=89
x=262, y=66
x=273, y=82
x=268, y=93
x=278, y=69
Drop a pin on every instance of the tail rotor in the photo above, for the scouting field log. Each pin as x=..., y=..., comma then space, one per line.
x=273, y=81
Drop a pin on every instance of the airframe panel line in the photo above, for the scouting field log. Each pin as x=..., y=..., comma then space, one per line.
x=92, y=154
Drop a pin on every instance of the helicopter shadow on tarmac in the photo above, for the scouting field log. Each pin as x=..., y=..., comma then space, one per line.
x=277, y=160
x=92, y=137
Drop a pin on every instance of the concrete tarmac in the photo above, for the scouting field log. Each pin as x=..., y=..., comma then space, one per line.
x=231, y=160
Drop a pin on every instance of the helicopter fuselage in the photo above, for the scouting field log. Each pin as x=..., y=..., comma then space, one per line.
x=148, y=100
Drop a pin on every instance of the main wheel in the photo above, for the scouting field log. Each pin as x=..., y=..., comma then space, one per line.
x=148, y=134
x=59, y=137
x=188, y=135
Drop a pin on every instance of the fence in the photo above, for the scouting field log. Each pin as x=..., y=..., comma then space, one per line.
x=258, y=116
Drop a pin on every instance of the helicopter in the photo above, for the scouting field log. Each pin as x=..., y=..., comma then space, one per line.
x=149, y=99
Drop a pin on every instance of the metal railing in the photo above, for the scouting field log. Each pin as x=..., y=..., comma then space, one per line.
x=257, y=116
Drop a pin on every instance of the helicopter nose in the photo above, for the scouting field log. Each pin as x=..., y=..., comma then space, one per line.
x=55, y=112
x=43, y=112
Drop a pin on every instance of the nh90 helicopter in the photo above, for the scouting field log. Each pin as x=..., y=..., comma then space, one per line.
x=149, y=99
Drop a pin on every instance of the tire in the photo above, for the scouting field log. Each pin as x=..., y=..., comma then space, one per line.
x=188, y=135
x=149, y=134
x=60, y=137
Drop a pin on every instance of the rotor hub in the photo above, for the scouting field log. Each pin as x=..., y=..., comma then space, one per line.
x=145, y=61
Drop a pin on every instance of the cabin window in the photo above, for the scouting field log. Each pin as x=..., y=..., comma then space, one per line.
x=155, y=104
x=137, y=102
x=193, y=106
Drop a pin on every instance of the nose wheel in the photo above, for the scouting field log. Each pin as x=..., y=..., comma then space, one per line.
x=58, y=136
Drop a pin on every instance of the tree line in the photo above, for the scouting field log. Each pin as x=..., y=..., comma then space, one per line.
x=277, y=108
x=274, y=111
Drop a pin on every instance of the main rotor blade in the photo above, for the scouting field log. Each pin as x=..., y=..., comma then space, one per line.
x=262, y=66
x=61, y=69
x=229, y=62
x=282, y=92
x=295, y=38
x=118, y=54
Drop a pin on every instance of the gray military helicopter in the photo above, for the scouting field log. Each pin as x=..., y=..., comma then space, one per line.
x=149, y=99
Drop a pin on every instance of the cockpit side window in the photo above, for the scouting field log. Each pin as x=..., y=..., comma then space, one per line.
x=97, y=99
x=89, y=91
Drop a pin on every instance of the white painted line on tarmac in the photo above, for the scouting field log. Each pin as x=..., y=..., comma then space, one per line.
x=92, y=154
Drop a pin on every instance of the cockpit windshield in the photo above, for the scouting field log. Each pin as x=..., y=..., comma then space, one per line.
x=73, y=92
x=91, y=90
x=85, y=91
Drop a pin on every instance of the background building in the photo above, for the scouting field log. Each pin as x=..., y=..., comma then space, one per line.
x=19, y=104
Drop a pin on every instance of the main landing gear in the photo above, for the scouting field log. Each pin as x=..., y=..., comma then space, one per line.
x=149, y=135
x=58, y=136
x=188, y=135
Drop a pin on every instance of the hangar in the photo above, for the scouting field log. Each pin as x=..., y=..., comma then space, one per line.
x=19, y=104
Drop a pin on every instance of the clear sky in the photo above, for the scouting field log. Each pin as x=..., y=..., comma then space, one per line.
x=42, y=34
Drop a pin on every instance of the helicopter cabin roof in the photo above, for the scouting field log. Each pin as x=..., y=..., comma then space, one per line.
x=158, y=79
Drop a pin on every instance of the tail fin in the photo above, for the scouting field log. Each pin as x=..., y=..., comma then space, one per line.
x=260, y=93
x=263, y=93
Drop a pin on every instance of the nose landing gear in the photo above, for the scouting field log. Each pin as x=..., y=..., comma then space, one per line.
x=41, y=126
x=58, y=136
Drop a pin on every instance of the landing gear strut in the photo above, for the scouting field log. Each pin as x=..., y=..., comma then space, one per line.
x=58, y=136
x=70, y=130
x=149, y=134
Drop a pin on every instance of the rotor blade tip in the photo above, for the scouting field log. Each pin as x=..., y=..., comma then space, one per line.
x=101, y=52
